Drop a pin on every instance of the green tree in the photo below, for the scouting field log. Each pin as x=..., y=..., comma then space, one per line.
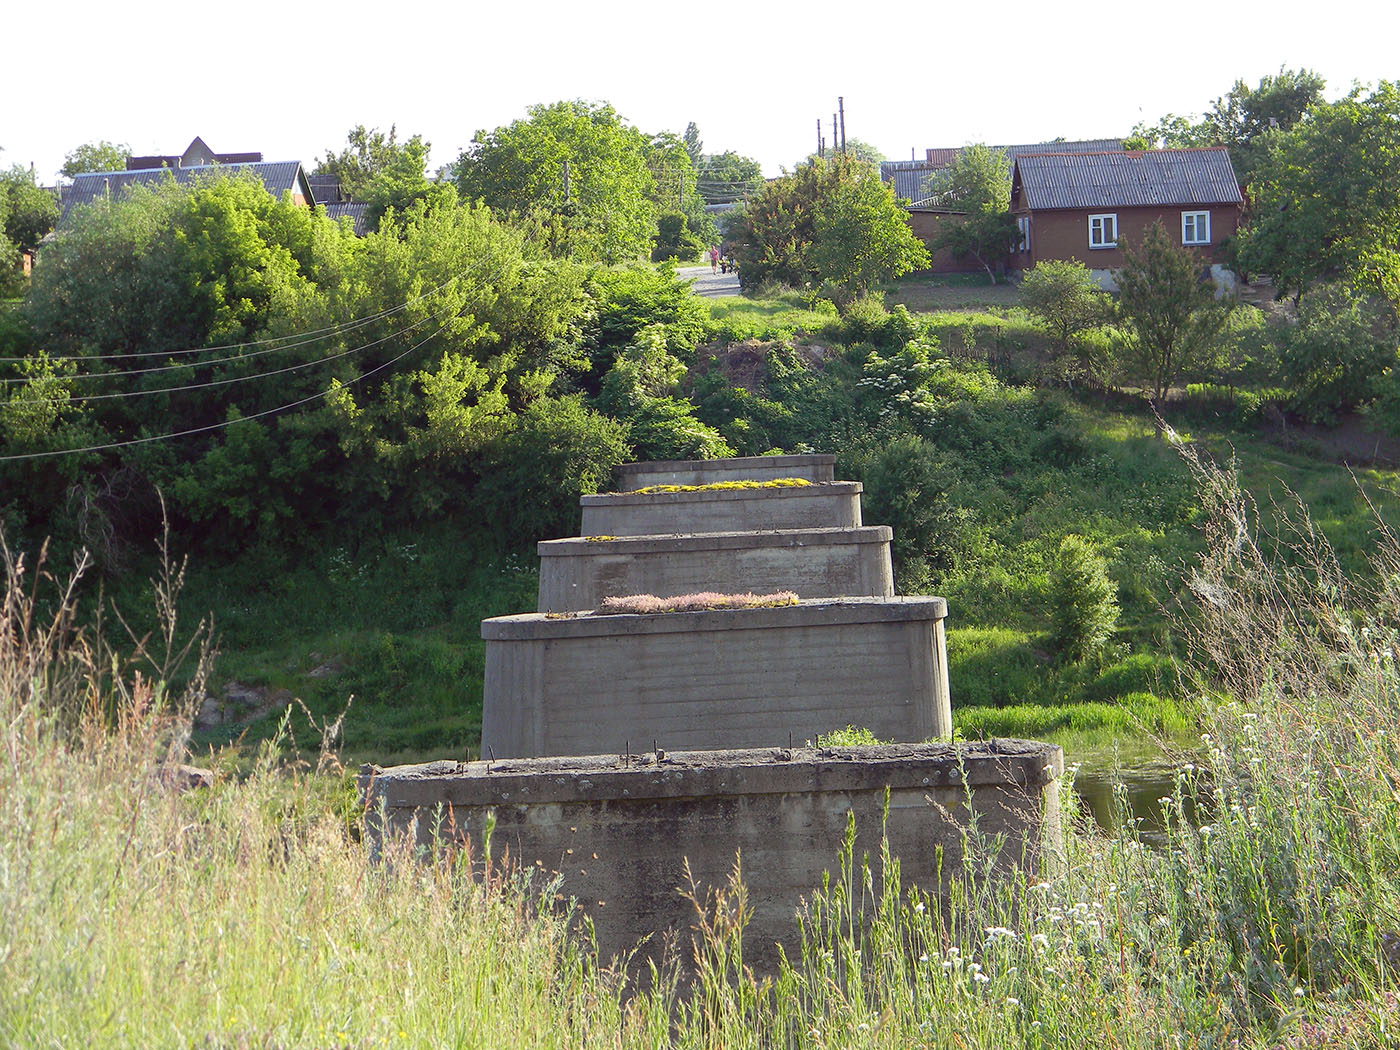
x=576, y=167
x=1174, y=314
x=694, y=145
x=1245, y=117
x=1337, y=351
x=1170, y=132
x=379, y=170
x=674, y=239
x=1242, y=120
x=1067, y=301
x=1326, y=199
x=856, y=149
x=729, y=176
x=95, y=156
x=1083, y=602
x=977, y=185
x=27, y=210
x=677, y=185
x=828, y=221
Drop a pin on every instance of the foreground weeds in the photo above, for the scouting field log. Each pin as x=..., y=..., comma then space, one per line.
x=133, y=913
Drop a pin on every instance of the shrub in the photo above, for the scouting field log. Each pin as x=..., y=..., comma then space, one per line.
x=1084, y=602
x=674, y=240
x=533, y=477
x=1337, y=352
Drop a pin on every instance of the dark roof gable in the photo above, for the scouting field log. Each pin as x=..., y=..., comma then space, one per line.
x=279, y=177
x=1125, y=179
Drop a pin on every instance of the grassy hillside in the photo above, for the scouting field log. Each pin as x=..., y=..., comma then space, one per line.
x=1005, y=472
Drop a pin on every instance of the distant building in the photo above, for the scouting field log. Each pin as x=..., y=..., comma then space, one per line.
x=910, y=177
x=197, y=155
x=280, y=177
x=1086, y=206
x=928, y=218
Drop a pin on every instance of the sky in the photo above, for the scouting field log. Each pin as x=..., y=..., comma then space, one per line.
x=290, y=80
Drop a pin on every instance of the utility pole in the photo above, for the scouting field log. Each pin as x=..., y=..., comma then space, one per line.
x=841, y=106
x=567, y=201
x=835, y=135
x=821, y=146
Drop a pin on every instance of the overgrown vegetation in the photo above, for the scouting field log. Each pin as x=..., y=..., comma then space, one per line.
x=248, y=912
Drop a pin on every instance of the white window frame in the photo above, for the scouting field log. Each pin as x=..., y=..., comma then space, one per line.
x=1199, y=220
x=1097, y=224
x=1023, y=224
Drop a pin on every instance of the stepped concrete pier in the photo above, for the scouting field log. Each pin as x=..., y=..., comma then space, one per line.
x=578, y=573
x=620, y=829
x=632, y=476
x=828, y=505
x=715, y=679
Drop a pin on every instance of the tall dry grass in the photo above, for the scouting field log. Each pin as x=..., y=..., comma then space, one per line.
x=136, y=914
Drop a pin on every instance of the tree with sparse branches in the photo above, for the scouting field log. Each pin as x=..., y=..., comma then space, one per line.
x=977, y=186
x=1174, y=314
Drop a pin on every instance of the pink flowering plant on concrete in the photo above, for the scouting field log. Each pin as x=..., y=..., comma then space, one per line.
x=646, y=604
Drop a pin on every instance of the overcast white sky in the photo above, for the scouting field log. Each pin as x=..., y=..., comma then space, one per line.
x=291, y=79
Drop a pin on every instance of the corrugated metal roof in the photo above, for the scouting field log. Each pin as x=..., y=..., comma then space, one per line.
x=1148, y=178
x=278, y=176
x=326, y=189
x=910, y=177
x=353, y=210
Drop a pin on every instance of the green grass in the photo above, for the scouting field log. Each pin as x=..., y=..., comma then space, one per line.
x=250, y=913
x=784, y=316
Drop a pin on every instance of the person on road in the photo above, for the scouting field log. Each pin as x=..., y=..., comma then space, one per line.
x=714, y=259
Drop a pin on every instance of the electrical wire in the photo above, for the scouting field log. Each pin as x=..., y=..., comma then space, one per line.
x=308, y=336
x=217, y=361
x=181, y=388
x=218, y=426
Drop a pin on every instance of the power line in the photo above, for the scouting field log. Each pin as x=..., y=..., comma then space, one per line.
x=307, y=336
x=249, y=378
x=217, y=426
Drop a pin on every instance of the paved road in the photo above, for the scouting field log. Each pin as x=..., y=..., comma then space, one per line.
x=711, y=285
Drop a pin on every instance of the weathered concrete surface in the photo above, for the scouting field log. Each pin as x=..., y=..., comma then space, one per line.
x=816, y=563
x=620, y=831
x=717, y=679
x=707, y=471
x=828, y=505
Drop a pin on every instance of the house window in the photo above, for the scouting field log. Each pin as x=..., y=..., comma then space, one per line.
x=1103, y=231
x=1195, y=227
x=1023, y=242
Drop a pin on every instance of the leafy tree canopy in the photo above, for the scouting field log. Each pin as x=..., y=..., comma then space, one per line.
x=827, y=221
x=855, y=149
x=95, y=156
x=1326, y=200
x=1241, y=120
x=582, y=173
x=1066, y=301
x=977, y=185
x=384, y=173
x=27, y=212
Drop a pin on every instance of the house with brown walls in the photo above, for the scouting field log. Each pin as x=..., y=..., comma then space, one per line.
x=928, y=219
x=1087, y=206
